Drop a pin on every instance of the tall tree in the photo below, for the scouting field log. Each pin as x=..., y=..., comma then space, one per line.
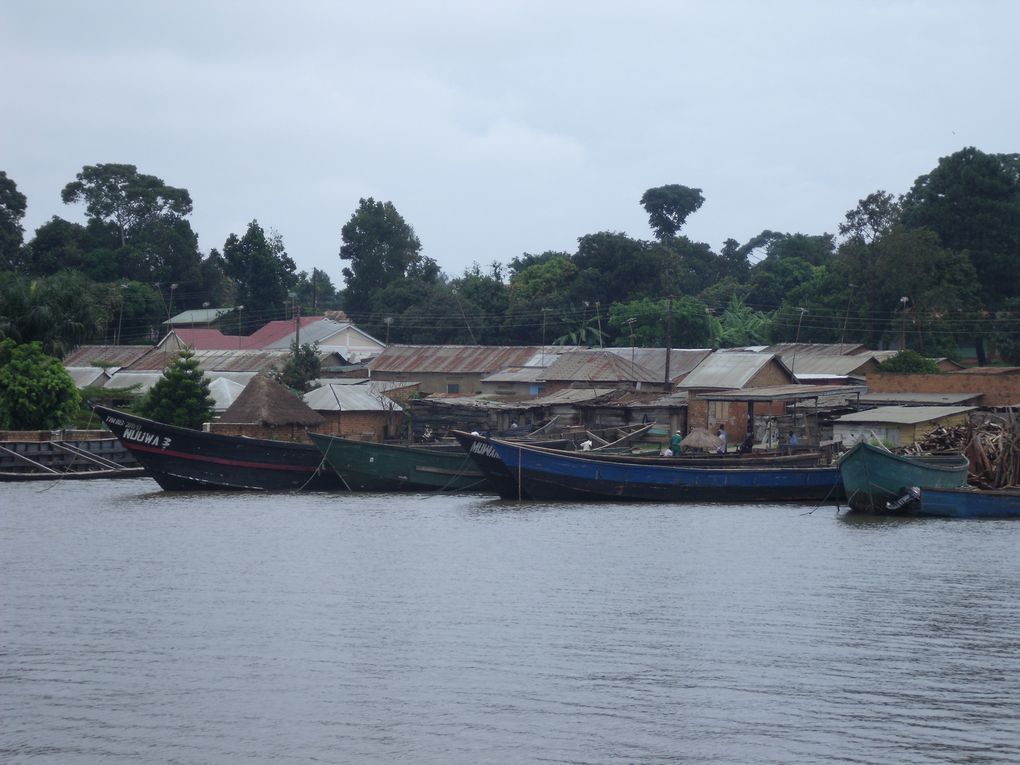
x=668, y=208
x=383, y=250
x=119, y=193
x=12, y=209
x=972, y=201
x=262, y=271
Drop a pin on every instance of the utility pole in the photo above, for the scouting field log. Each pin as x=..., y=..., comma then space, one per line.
x=669, y=335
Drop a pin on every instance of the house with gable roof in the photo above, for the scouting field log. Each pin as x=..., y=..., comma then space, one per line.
x=732, y=370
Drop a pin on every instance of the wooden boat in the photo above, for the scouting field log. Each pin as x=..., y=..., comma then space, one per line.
x=181, y=459
x=520, y=471
x=72, y=459
x=369, y=466
x=875, y=479
x=968, y=503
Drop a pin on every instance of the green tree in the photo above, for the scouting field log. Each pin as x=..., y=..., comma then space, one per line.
x=383, y=250
x=301, y=368
x=668, y=208
x=12, y=209
x=687, y=320
x=909, y=362
x=741, y=325
x=972, y=201
x=119, y=193
x=36, y=393
x=59, y=311
x=181, y=396
x=262, y=272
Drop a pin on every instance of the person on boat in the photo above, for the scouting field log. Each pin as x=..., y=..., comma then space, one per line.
x=667, y=452
x=674, y=443
x=747, y=445
x=722, y=436
x=792, y=439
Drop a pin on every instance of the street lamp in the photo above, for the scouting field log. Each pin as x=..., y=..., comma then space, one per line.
x=796, y=341
x=239, y=309
x=630, y=323
x=904, y=305
x=120, y=318
x=170, y=307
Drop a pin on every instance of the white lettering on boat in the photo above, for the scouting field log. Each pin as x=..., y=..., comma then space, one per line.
x=150, y=439
x=481, y=448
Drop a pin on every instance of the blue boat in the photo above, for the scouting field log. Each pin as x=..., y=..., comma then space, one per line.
x=969, y=503
x=521, y=471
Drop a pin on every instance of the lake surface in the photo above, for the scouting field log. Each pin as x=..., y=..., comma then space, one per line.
x=142, y=626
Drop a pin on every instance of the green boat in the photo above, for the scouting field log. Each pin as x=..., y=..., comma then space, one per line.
x=877, y=481
x=368, y=466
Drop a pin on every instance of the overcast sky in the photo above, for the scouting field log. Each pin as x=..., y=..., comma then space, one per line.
x=499, y=128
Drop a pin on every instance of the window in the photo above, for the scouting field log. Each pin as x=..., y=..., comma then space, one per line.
x=453, y=387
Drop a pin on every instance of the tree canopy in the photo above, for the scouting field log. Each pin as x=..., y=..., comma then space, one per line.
x=181, y=396
x=36, y=392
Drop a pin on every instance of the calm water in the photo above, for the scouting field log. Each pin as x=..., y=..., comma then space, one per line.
x=139, y=626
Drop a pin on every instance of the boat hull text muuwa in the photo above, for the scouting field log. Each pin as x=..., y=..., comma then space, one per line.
x=519, y=471
x=181, y=459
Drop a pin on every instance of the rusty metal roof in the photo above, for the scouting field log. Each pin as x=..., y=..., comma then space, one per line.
x=784, y=393
x=516, y=374
x=682, y=361
x=450, y=359
x=215, y=360
x=105, y=355
x=598, y=366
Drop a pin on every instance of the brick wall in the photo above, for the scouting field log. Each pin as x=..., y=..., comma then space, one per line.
x=295, y=433
x=996, y=389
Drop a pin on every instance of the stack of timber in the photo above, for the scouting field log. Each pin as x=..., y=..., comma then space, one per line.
x=992, y=446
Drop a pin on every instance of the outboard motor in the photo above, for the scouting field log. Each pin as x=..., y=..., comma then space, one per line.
x=912, y=494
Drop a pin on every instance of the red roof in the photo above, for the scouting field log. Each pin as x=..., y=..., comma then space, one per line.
x=213, y=340
x=277, y=330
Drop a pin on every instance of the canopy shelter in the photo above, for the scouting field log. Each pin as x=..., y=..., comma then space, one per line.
x=786, y=393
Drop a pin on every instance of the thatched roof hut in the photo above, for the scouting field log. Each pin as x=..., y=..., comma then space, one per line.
x=265, y=402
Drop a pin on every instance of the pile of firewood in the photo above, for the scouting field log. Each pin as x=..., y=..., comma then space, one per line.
x=993, y=447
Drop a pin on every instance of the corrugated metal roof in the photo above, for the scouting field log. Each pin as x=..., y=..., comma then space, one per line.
x=572, y=396
x=905, y=415
x=598, y=366
x=349, y=398
x=198, y=316
x=724, y=371
x=224, y=392
x=450, y=359
x=122, y=379
x=216, y=360
x=783, y=393
x=105, y=355
x=919, y=399
x=86, y=376
x=682, y=361
x=817, y=349
x=827, y=365
x=516, y=375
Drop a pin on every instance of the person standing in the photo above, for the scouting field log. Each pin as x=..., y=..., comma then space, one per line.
x=674, y=443
x=722, y=436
